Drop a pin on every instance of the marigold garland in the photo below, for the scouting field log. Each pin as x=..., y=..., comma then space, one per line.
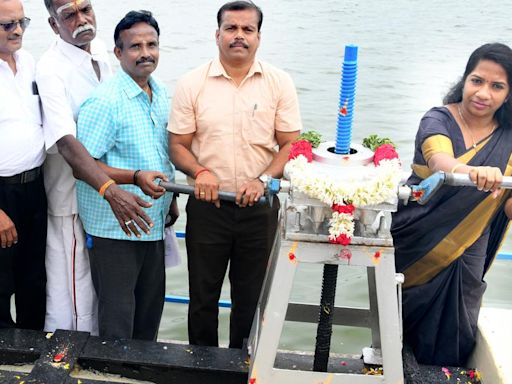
x=344, y=197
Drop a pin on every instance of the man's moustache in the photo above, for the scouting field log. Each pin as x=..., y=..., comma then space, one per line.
x=145, y=60
x=238, y=43
x=83, y=28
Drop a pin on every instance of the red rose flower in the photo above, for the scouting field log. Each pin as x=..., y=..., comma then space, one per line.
x=344, y=208
x=341, y=239
x=301, y=147
x=384, y=151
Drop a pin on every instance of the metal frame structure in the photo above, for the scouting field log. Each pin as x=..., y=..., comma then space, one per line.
x=383, y=317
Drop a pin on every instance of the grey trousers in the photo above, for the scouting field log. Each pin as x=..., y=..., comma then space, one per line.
x=129, y=279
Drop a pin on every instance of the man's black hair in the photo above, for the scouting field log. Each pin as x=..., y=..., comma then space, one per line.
x=240, y=5
x=132, y=18
x=49, y=6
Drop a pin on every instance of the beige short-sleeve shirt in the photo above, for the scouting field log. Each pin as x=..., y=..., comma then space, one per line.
x=234, y=126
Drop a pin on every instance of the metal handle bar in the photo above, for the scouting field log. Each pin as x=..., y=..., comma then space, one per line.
x=463, y=180
x=424, y=191
x=189, y=190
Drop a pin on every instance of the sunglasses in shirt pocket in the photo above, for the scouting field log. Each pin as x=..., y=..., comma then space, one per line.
x=35, y=109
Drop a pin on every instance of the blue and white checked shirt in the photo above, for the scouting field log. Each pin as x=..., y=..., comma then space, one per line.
x=121, y=127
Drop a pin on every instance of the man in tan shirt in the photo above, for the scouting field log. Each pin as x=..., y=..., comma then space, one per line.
x=232, y=123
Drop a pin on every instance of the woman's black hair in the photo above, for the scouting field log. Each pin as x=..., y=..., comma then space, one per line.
x=500, y=54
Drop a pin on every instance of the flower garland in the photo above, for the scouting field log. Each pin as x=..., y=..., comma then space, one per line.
x=344, y=197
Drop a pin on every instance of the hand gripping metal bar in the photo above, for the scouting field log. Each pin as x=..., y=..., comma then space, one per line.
x=189, y=190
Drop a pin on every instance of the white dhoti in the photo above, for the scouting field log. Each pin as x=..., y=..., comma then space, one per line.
x=71, y=300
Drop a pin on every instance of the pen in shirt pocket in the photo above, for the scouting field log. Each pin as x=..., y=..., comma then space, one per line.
x=254, y=109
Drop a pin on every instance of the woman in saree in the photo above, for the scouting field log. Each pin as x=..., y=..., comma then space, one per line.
x=445, y=247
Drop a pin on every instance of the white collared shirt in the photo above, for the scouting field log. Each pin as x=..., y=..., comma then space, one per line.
x=65, y=77
x=21, y=134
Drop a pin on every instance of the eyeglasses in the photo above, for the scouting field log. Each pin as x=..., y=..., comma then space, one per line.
x=11, y=26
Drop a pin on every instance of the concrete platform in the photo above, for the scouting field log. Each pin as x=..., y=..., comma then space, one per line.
x=492, y=355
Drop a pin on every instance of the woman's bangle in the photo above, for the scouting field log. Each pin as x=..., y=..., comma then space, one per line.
x=105, y=186
x=135, y=174
x=200, y=171
x=454, y=168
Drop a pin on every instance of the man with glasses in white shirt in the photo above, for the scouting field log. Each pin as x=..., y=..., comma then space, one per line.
x=66, y=75
x=22, y=195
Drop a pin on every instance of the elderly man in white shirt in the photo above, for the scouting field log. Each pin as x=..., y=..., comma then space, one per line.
x=66, y=74
x=22, y=195
x=65, y=77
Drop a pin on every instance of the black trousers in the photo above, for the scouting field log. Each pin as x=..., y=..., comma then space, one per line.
x=22, y=270
x=129, y=279
x=243, y=238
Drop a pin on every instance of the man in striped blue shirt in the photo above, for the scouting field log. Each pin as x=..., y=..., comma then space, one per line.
x=123, y=125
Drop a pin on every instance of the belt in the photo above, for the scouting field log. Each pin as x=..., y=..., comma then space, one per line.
x=22, y=178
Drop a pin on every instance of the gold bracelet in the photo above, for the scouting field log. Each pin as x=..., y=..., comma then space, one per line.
x=456, y=166
x=105, y=186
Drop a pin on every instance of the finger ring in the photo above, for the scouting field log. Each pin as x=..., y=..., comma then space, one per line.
x=128, y=222
x=202, y=193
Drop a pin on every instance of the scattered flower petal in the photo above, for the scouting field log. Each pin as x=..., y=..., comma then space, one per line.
x=291, y=252
x=376, y=257
x=345, y=254
x=447, y=373
x=344, y=109
x=60, y=356
x=417, y=195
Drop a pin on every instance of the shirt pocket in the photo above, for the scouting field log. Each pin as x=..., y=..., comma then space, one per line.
x=258, y=127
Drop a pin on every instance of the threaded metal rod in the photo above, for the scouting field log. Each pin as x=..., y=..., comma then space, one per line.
x=324, y=330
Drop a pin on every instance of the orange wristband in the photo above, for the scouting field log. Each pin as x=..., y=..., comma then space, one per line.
x=201, y=171
x=105, y=186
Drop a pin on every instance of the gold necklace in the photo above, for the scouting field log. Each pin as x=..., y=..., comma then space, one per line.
x=467, y=127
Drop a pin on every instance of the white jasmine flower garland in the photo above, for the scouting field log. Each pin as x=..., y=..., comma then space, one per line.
x=379, y=187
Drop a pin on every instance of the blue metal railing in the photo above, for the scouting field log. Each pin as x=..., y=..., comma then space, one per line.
x=185, y=299
x=227, y=304
x=504, y=256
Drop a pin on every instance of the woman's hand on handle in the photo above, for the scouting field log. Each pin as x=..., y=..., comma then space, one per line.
x=487, y=179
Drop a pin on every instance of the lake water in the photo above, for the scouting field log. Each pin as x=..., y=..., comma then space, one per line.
x=410, y=52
